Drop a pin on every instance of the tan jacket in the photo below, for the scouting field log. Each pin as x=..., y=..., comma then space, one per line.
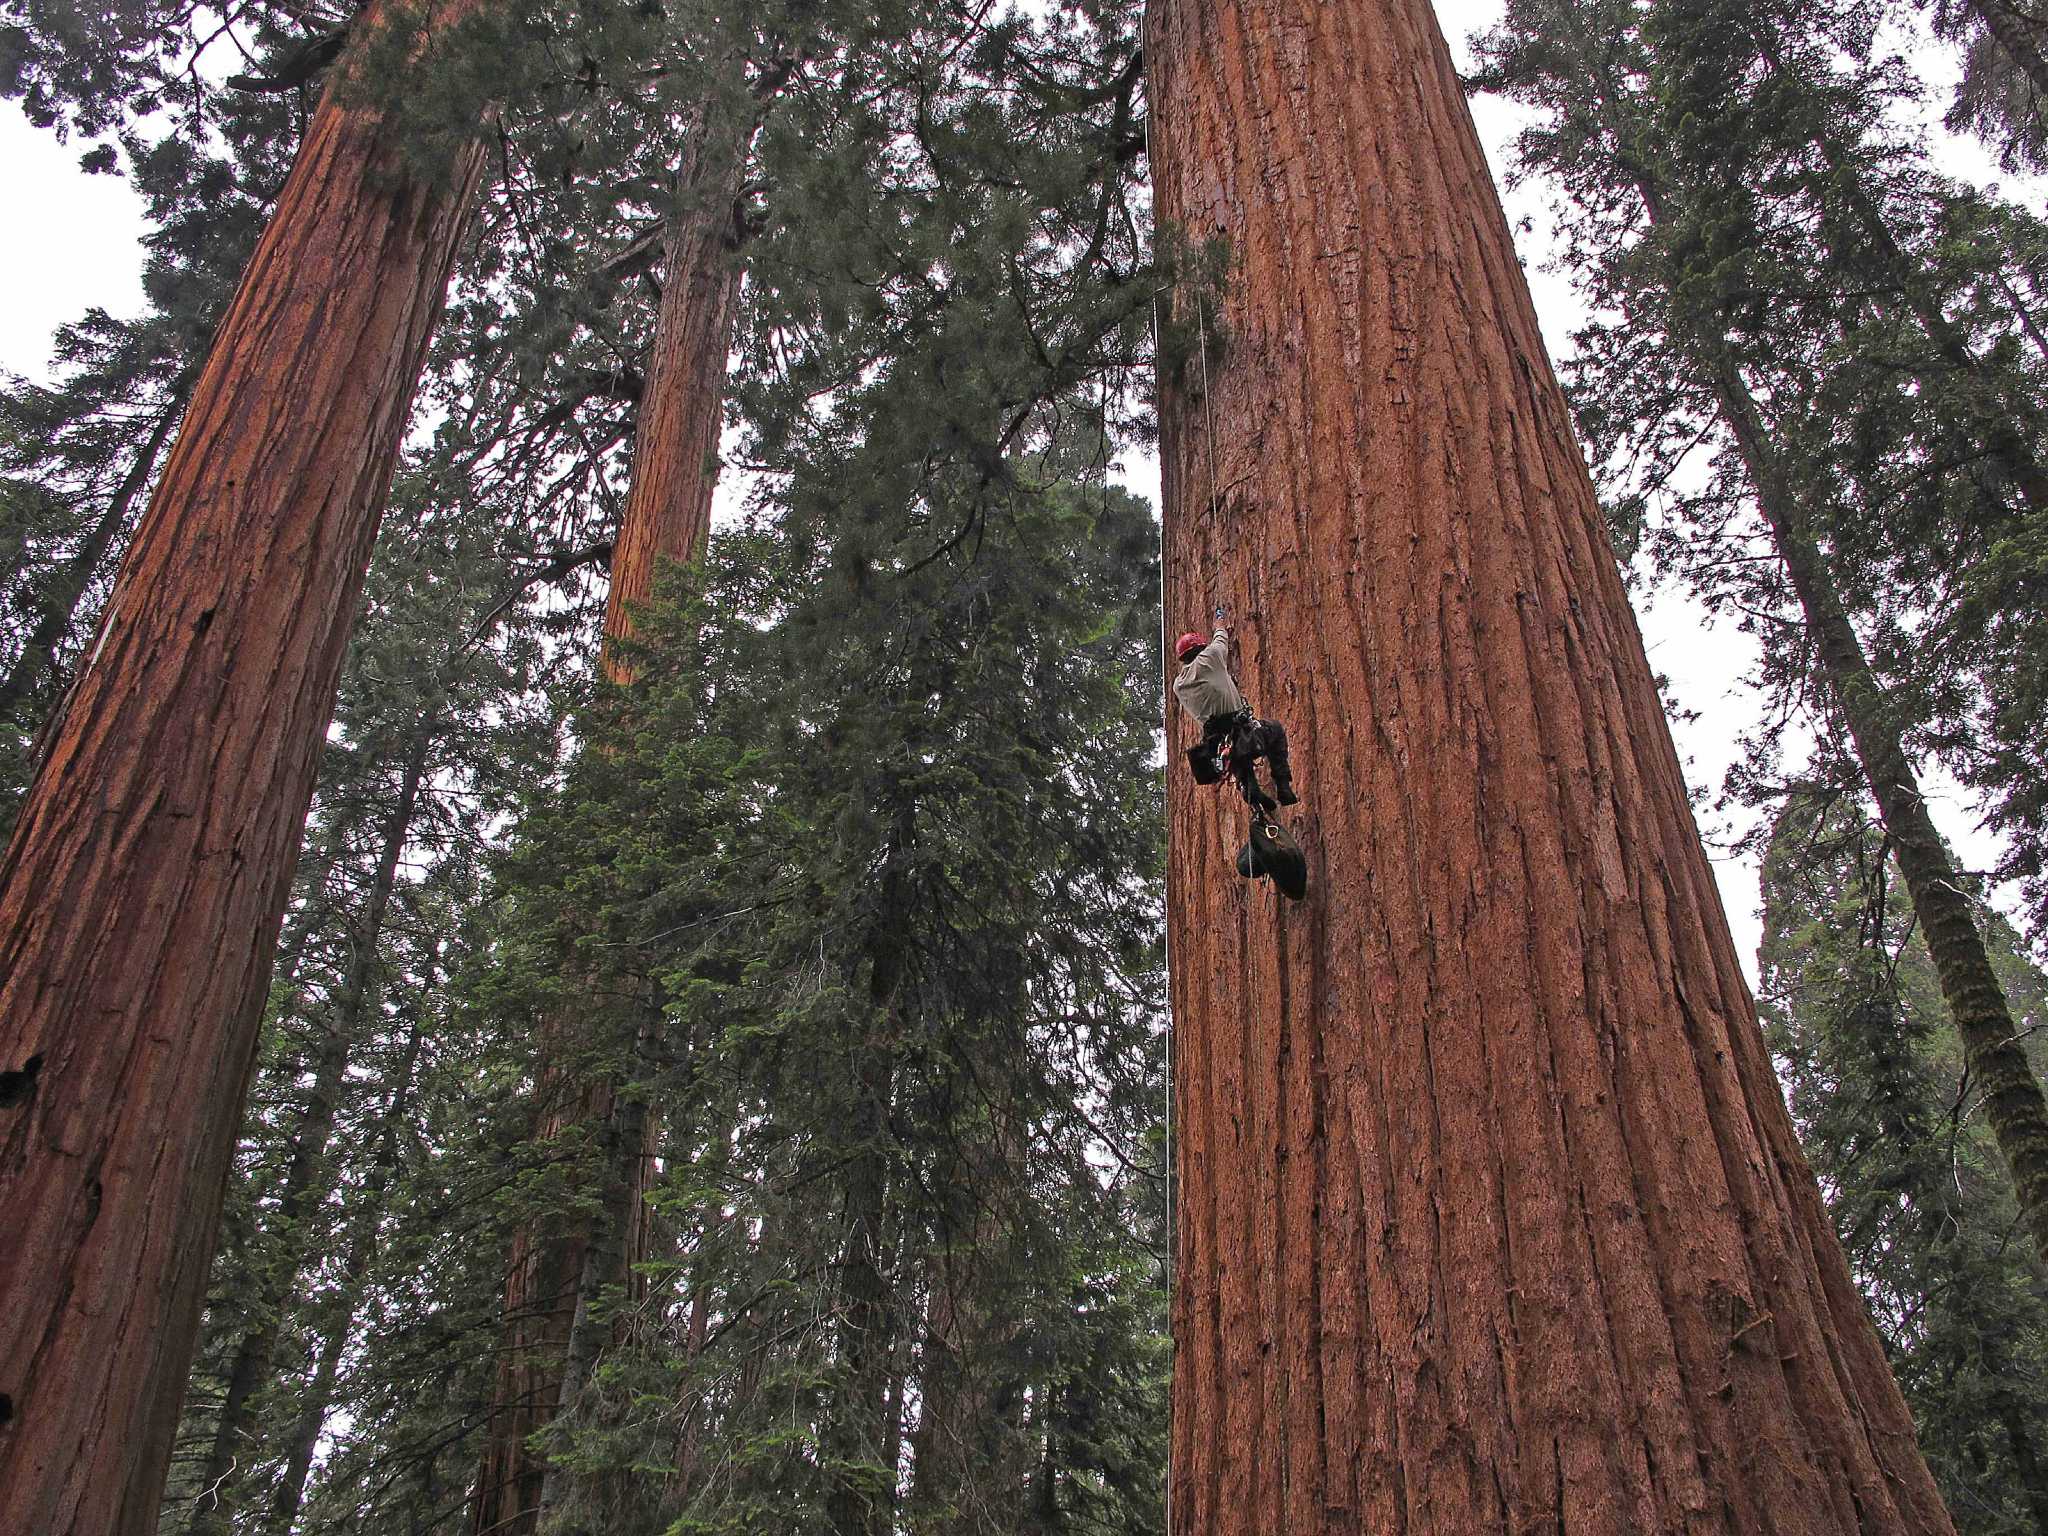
x=1204, y=687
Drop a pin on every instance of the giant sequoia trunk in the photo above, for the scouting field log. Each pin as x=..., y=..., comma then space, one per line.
x=667, y=518
x=1491, y=1217
x=141, y=895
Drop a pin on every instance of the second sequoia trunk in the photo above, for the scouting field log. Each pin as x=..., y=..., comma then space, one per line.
x=1491, y=1216
x=666, y=518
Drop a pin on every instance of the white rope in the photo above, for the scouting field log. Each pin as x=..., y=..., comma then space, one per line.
x=1169, y=1219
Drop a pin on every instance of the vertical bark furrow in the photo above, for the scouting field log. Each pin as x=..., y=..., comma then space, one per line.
x=1567, y=1270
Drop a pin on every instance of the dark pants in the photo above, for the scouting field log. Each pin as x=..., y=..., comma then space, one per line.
x=1249, y=740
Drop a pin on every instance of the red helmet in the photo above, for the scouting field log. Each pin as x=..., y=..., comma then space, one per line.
x=1187, y=644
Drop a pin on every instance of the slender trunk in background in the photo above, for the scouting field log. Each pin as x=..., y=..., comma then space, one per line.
x=358, y=1251
x=609, y=1249
x=1491, y=1217
x=2006, y=420
x=2021, y=36
x=666, y=518
x=235, y=1438
x=39, y=655
x=2013, y=1098
x=860, y=1498
x=970, y=1458
x=690, y=1437
x=141, y=894
x=1998, y=1069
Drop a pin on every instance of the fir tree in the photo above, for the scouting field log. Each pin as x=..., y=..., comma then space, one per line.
x=1890, y=1120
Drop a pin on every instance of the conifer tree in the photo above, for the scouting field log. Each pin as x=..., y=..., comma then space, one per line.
x=1818, y=352
x=665, y=519
x=1885, y=1107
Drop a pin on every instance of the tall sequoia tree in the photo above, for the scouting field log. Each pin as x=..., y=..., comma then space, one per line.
x=1491, y=1216
x=665, y=521
x=142, y=891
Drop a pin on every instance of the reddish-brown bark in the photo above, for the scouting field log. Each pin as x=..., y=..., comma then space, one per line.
x=141, y=895
x=1491, y=1217
x=667, y=518
x=667, y=515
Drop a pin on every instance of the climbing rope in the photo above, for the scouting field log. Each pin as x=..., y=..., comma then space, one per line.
x=1169, y=1220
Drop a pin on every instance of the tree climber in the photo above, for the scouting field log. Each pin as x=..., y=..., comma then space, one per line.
x=1209, y=694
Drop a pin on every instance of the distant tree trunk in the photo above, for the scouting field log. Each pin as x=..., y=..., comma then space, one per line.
x=39, y=655
x=854, y=1505
x=690, y=1438
x=358, y=1252
x=2006, y=420
x=1491, y=1216
x=1998, y=1068
x=666, y=519
x=2023, y=38
x=305, y=1177
x=2014, y=1101
x=970, y=1460
x=608, y=1251
x=856, y=1427
x=667, y=516
x=141, y=894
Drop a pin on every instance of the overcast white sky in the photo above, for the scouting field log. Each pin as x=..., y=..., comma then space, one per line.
x=77, y=245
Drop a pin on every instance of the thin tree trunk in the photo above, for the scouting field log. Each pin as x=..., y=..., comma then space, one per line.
x=141, y=894
x=856, y=1430
x=689, y=1439
x=1998, y=411
x=2014, y=1100
x=970, y=1463
x=854, y=1505
x=666, y=519
x=1491, y=1216
x=2024, y=315
x=1997, y=1067
x=358, y=1252
x=306, y=1172
x=2020, y=36
x=39, y=655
